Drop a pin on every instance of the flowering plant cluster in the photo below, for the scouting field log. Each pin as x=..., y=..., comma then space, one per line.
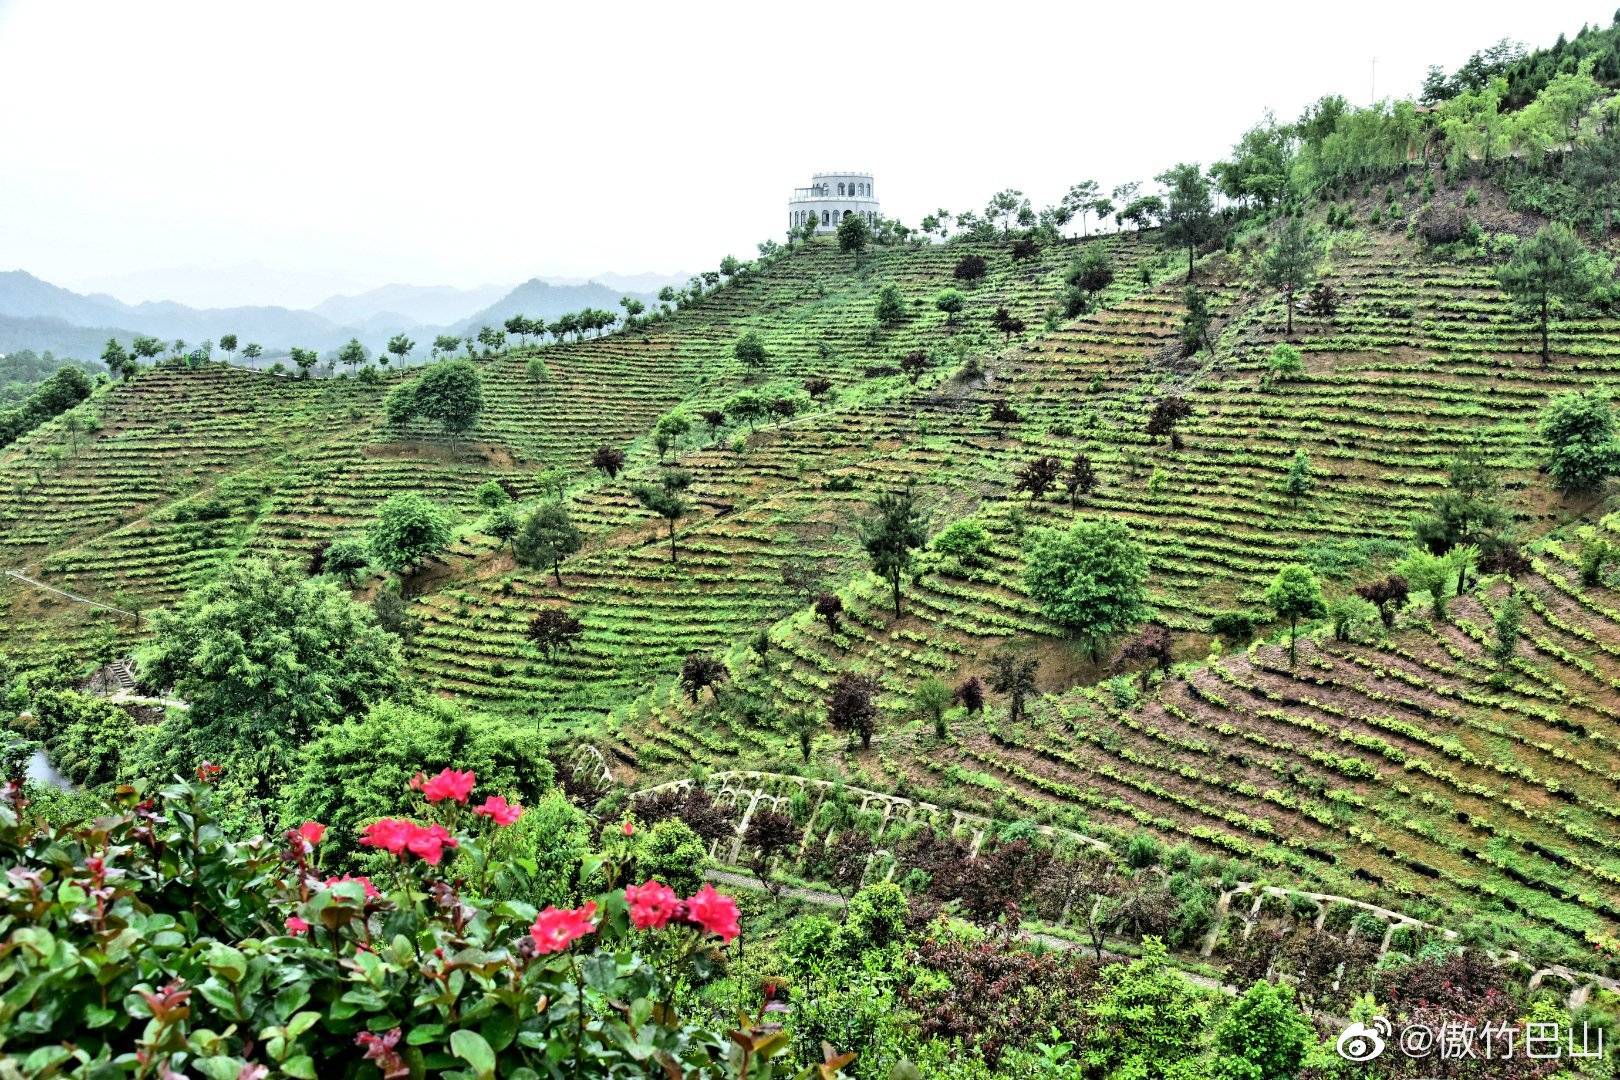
x=147, y=943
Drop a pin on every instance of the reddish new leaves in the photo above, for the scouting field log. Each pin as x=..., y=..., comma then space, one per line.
x=995, y=994
x=367, y=888
x=380, y=1049
x=852, y=707
x=696, y=807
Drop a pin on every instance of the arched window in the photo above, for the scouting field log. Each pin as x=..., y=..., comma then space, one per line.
x=825, y=220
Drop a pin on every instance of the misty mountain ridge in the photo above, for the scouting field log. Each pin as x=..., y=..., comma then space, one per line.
x=648, y=282
x=418, y=305
x=248, y=284
x=37, y=315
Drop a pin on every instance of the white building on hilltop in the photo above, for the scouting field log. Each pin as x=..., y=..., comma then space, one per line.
x=830, y=198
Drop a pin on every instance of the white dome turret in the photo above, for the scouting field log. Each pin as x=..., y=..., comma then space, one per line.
x=831, y=197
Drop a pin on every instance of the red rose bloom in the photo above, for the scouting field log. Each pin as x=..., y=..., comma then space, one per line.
x=652, y=905
x=428, y=844
x=449, y=784
x=554, y=930
x=714, y=912
x=295, y=925
x=390, y=834
x=312, y=832
x=499, y=810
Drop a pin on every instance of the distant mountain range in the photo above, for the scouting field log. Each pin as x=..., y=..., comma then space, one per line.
x=403, y=305
x=37, y=315
x=627, y=283
x=246, y=284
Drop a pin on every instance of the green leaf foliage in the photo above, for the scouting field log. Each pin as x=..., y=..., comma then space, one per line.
x=1091, y=579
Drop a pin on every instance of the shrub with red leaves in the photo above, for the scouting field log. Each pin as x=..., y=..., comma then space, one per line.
x=970, y=694
x=970, y=268
x=996, y=994
x=852, y=707
x=709, y=818
x=828, y=608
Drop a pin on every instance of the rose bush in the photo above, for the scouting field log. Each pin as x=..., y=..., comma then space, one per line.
x=148, y=943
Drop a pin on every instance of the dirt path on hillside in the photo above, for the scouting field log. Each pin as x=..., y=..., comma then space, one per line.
x=75, y=597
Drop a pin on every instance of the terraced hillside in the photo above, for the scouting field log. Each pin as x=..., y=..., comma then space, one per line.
x=1420, y=768
x=182, y=469
x=1423, y=360
x=765, y=504
x=1412, y=767
x=1408, y=769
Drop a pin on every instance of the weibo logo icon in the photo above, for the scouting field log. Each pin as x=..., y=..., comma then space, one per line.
x=1363, y=1042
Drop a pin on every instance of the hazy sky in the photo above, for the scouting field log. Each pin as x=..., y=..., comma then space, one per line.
x=459, y=143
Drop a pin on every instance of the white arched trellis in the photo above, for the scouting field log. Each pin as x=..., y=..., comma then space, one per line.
x=587, y=759
x=750, y=789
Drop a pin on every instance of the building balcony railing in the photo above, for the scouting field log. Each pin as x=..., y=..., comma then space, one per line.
x=810, y=195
